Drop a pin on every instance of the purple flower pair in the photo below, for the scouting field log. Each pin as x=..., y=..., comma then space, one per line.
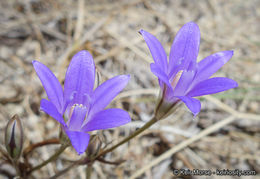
x=182, y=78
x=80, y=109
x=80, y=105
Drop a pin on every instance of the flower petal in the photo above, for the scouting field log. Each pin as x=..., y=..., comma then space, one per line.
x=50, y=109
x=50, y=83
x=192, y=103
x=80, y=77
x=184, y=83
x=106, y=119
x=163, y=79
x=79, y=140
x=212, y=85
x=77, y=118
x=156, y=49
x=211, y=64
x=185, y=47
x=162, y=76
x=106, y=92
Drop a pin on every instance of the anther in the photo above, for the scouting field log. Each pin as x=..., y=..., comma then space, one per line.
x=176, y=79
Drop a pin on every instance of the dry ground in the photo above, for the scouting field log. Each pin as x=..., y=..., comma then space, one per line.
x=225, y=135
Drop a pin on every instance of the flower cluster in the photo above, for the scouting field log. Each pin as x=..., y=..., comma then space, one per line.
x=182, y=78
x=80, y=105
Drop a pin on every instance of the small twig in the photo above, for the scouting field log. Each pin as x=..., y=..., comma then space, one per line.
x=30, y=148
x=110, y=162
x=64, y=170
x=79, y=162
x=53, y=157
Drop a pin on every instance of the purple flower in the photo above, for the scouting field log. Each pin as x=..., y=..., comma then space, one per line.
x=182, y=78
x=80, y=105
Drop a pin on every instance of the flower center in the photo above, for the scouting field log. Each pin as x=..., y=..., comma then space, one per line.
x=72, y=109
x=176, y=79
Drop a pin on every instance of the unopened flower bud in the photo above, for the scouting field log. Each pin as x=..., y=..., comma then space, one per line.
x=14, y=137
x=64, y=140
x=94, y=146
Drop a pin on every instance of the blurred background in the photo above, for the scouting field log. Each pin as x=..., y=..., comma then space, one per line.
x=51, y=31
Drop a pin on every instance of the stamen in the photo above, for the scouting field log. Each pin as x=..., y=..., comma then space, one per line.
x=72, y=109
x=176, y=79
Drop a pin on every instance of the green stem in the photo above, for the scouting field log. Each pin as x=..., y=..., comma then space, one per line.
x=17, y=169
x=62, y=172
x=140, y=130
x=53, y=157
x=89, y=171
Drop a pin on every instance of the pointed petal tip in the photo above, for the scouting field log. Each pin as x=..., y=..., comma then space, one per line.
x=35, y=62
x=141, y=31
x=231, y=83
x=192, y=26
x=231, y=52
x=235, y=84
x=195, y=113
x=124, y=78
x=81, y=52
x=193, y=104
x=225, y=56
x=80, y=152
x=228, y=53
x=79, y=140
x=191, y=23
x=128, y=77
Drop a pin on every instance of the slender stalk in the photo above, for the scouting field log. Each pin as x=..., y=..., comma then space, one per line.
x=140, y=130
x=30, y=148
x=53, y=157
x=118, y=162
x=62, y=172
x=17, y=169
x=89, y=171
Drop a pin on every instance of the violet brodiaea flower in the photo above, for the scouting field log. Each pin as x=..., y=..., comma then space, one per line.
x=80, y=105
x=182, y=78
